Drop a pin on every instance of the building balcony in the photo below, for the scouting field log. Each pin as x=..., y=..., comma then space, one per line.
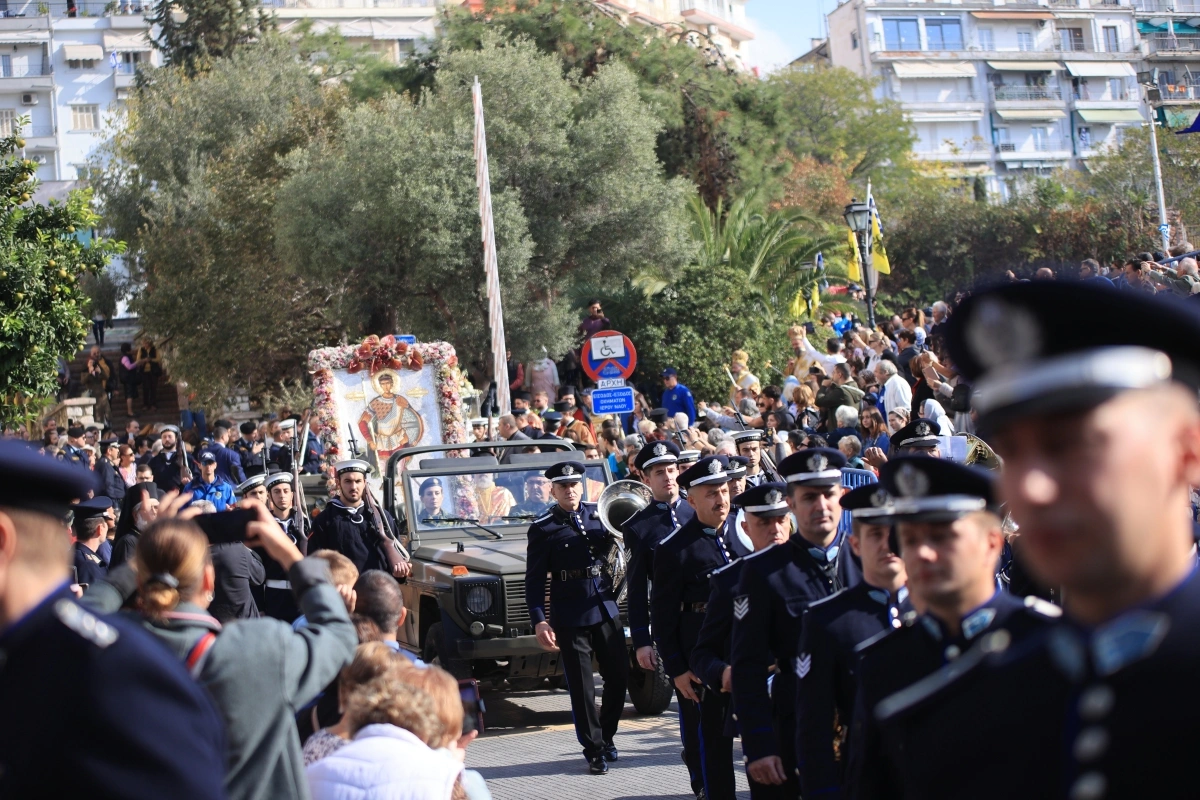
x=1187, y=93
x=1026, y=96
x=25, y=77
x=1039, y=149
x=324, y=5
x=1168, y=44
x=39, y=137
x=1167, y=6
x=975, y=151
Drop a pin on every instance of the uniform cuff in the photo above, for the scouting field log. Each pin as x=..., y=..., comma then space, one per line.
x=641, y=637
x=759, y=743
x=713, y=676
x=674, y=664
x=536, y=615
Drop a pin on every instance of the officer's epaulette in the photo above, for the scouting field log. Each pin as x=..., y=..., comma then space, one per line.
x=887, y=635
x=96, y=631
x=735, y=562
x=994, y=642
x=544, y=517
x=667, y=538
x=1043, y=607
x=814, y=605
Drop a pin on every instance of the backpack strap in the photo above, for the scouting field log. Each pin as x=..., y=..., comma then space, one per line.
x=195, y=656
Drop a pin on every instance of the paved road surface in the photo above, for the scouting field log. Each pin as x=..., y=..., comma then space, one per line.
x=530, y=753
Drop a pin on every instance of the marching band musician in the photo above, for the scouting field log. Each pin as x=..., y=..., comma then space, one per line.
x=570, y=543
x=775, y=588
x=749, y=445
x=766, y=524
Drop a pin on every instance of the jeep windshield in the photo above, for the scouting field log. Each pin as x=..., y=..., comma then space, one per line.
x=496, y=496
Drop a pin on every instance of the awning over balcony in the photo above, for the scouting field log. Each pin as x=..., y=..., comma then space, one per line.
x=1012, y=114
x=1109, y=115
x=24, y=37
x=394, y=29
x=934, y=69
x=126, y=42
x=1025, y=66
x=83, y=52
x=1012, y=15
x=1100, y=69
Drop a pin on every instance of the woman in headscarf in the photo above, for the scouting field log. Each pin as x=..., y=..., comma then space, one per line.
x=933, y=410
x=138, y=510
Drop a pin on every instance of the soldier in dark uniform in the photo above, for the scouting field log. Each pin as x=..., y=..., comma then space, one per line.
x=749, y=446
x=250, y=451
x=775, y=588
x=948, y=524
x=831, y=631
x=73, y=452
x=683, y=564
x=91, y=530
x=570, y=544
x=351, y=524
x=54, y=655
x=166, y=465
x=1100, y=434
x=766, y=524
x=278, y=599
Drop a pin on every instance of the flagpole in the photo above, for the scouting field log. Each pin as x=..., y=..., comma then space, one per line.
x=490, y=265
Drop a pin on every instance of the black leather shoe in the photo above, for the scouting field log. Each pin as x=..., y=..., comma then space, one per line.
x=597, y=765
x=610, y=752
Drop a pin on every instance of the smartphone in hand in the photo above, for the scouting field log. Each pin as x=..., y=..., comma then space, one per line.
x=226, y=526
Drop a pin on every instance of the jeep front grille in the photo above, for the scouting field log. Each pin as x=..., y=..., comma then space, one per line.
x=516, y=612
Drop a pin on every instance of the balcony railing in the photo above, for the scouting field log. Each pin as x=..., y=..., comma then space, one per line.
x=1179, y=6
x=1179, y=43
x=933, y=96
x=1103, y=95
x=1065, y=3
x=80, y=9
x=31, y=69
x=1033, y=146
x=351, y=3
x=1027, y=94
x=1180, y=92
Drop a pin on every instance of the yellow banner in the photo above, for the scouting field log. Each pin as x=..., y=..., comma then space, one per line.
x=879, y=259
x=855, y=271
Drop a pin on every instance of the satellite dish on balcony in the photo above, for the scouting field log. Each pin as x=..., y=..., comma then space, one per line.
x=1159, y=22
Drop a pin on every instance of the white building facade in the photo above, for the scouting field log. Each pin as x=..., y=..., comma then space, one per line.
x=997, y=88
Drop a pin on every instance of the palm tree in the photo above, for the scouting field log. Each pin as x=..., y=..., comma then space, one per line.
x=776, y=248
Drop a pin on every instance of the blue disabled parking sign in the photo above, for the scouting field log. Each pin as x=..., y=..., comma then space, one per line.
x=612, y=401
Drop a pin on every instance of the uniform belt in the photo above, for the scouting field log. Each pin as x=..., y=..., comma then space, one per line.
x=280, y=585
x=695, y=608
x=593, y=571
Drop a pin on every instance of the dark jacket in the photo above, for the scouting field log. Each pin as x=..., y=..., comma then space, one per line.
x=90, y=568
x=643, y=531
x=165, y=467
x=336, y=529
x=123, y=548
x=113, y=485
x=238, y=569
x=558, y=549
x=229, y=463
x=259, y=672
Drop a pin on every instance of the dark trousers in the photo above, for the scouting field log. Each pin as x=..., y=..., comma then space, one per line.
x=149, y=389
x=577, y=645
x=98, y=331
x=716, y=748
x=689, y=732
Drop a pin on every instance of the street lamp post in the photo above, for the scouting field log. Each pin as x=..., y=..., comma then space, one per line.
x=858, y=217
x=1149, y=82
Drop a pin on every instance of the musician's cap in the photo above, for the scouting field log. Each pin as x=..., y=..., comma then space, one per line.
x=287, y=424
x=670, y=372
x=764, y=500
x=705, y=471
x=656, y=453
x=867, y=502
x=738, y=465
x=565, y=472
x=741, y=437
x=207, y=457
x=920, y=434
x=552, y=416
x=277, y=478
x=817, y=466
x=36, y=482
x=659, y=415
x=520, y=412
x=688, y=457
x=247, y=428
x=352, y=465
x=95, y=507
x=935, y=489
x=1033, y=348
x=107, y=443
x=251, y=483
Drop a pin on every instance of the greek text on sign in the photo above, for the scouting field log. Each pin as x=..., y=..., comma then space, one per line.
x=610, y=383
x=607, y=347
x=612, y=401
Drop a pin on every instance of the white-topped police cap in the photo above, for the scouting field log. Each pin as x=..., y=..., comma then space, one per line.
x=764, y=500
x=1053, y=347
x=276, y=478
x=478, y=422
x=565, y=472
x=656, y=453
x=867, y=501
x=815, y=466
x=35, y=482
x=748, y=435
x=921, y=432
x=251, y=482
x=287, y=424
x=705, y=471
x=936, y=489
x=688, y=457
x=737, y=467
x=352, y=465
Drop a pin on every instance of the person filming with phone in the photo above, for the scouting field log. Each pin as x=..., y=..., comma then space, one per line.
x=257, y=671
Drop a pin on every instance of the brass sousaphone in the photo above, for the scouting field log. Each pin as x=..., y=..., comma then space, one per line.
x=615, y=506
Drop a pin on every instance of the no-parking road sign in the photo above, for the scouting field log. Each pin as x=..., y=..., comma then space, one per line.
x=609, y=355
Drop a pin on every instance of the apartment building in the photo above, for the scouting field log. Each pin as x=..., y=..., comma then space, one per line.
x=1002, y=89
x=1170, y=31
x=722, y=22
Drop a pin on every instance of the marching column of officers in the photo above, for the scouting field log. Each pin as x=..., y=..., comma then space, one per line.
x=890, y=659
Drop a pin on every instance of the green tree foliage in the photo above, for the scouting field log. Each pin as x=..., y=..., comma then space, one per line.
x=190, y=182
x=192, y=34
x=45, y=251
x=387, y=204
x=721, y=126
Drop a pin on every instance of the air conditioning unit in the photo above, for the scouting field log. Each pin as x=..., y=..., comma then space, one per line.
x=40, y=159
x=29, y=99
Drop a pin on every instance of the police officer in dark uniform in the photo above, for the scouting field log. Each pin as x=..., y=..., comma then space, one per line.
x=72, y=451
x=683, y=565
x=919, y=437
x=571, y=545
x=355, y=525
x=831, y=631
x=249, y=451
x=91, y=530
x=775, y=588
x=1099, y=431
x=949, y=528
x=69, y=679
x=766, y=524
x=749, y=445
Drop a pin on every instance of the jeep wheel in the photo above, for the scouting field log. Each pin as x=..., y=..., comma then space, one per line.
x=650, y=692
x=435, y=644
